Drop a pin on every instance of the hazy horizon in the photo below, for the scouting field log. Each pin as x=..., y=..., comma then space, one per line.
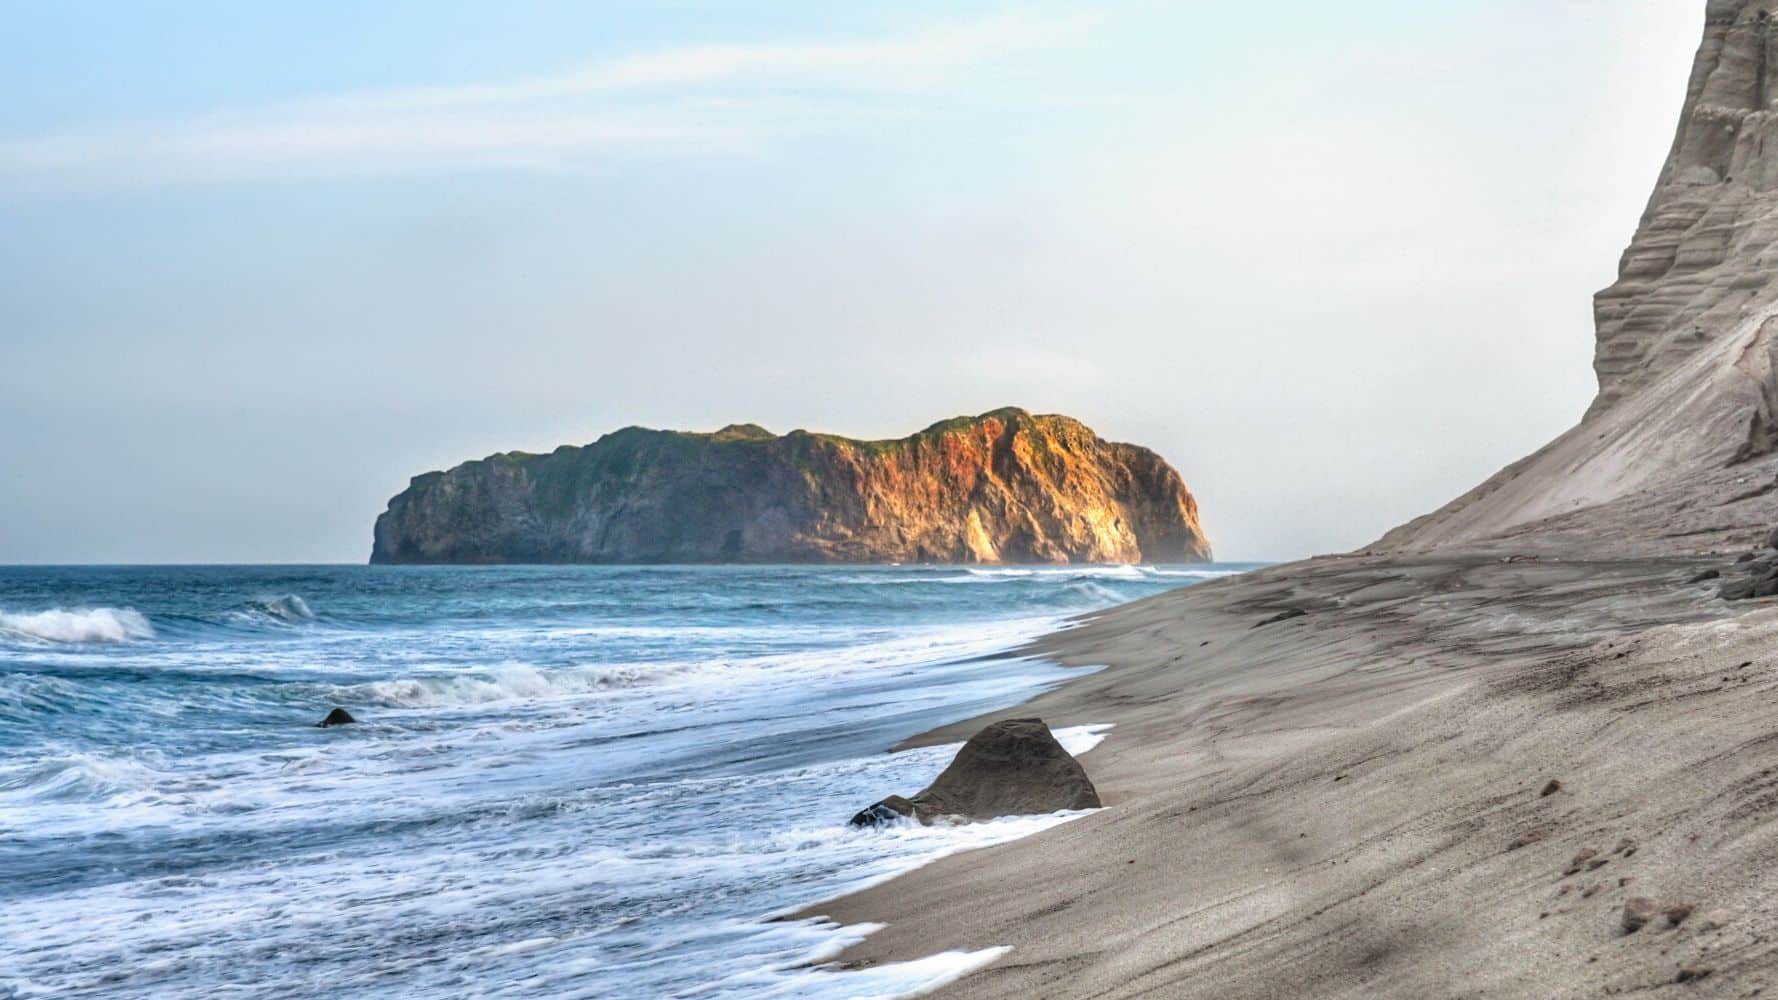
x=1335, y=264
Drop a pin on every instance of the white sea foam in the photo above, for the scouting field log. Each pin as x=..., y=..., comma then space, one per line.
x=506, y=682
x=889, y=981
x=518, y=681
x=1079, y=739
x=76, y=776
x=77, y=625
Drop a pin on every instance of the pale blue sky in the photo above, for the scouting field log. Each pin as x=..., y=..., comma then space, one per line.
x=259, y=264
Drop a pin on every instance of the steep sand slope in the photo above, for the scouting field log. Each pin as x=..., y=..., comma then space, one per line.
x=1347, y=804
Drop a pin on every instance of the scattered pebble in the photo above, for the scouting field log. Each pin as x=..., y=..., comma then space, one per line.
x=1715, y=920
x=1677, y=913
x=1691, y=974
x=1550, y=789
x=1638, y=911
x=1527, y=839
x=1580, y=860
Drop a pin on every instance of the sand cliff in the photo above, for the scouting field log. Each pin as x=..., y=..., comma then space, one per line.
x=1686, y=339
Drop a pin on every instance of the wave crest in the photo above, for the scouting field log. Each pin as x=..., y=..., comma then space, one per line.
x=77, y=777
x=77, y=625
x=512, y=682
x=287, y=610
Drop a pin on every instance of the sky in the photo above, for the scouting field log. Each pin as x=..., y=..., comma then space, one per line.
x=261, y=263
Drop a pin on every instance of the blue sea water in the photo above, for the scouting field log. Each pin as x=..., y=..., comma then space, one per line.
x=581, y=781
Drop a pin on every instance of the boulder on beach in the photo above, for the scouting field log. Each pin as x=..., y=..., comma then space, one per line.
x=337, y=717
x=1010, y=768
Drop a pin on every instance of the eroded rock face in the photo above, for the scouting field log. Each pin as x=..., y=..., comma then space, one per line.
x=1004, y=487
x=1011, y=768
x=1708, y=241
x=1685, y=423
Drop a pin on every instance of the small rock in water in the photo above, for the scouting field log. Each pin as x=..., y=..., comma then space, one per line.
x=1638, y=911
x=337, y=717
x=1772, y=539
x=1550, y=789
x=891, y=810
x=1746, y=557
x=1709, y=574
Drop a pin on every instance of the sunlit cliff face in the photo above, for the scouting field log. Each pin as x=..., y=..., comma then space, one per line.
x=1004, y=487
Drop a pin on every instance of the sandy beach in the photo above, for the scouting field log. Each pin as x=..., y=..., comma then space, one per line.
x=1351, y=802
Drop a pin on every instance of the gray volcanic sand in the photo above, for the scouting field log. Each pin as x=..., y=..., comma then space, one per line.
x=1349, y=803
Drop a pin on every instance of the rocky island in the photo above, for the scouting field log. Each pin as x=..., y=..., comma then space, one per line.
x=1004, y=487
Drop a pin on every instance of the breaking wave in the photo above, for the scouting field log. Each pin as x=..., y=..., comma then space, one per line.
x=287, y=610
x=76, y=776
x=78, y=625
x=511, y=682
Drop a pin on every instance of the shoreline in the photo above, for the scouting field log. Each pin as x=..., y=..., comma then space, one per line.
x=1278, y=790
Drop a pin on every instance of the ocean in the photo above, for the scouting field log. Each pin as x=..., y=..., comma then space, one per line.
x=564, y=782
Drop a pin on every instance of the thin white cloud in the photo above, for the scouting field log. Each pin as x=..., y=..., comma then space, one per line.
x=693, y=100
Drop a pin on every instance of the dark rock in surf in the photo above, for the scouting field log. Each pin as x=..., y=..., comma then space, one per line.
x=1010, y=768
x=337, y=717
x=893, y=809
